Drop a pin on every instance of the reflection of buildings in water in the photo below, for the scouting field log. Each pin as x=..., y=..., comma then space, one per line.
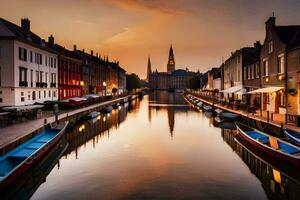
x=277, y=185
x=163, y=101
x=95, y=129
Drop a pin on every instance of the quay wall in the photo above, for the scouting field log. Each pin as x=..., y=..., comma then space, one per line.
x=71, y=116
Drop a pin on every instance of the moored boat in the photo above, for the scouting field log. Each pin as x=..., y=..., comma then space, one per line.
x=292, y=136
x=22, y=157
x=207, y=108
x=93, y=115
x=107, y=109
x=270, y=145
x=228, y=116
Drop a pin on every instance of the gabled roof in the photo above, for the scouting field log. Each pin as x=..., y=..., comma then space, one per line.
x=10, y=30
x=290, y=35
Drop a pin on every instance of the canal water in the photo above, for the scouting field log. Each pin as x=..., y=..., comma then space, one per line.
x=157, y=147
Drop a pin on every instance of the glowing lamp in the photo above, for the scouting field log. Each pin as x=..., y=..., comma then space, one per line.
x=81, y=83
x=267, y=79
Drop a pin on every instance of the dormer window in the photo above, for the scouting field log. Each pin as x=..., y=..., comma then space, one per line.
x=270, y=46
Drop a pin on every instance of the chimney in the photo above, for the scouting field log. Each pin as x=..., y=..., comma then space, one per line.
x=92, y=53
x=75, y=47
x=25, y=24
x=97, y=55
x=257, y=44
x=83, y=50
x=51, y=40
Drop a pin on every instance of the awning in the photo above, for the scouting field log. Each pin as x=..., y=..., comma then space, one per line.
x=242, y=91
x=233, y=89
x=266, y=90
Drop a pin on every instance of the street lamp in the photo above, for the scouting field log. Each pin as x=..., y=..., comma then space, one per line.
x=104, y=85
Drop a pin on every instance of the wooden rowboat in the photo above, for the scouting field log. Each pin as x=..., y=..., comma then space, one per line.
x=292, y=136
x=21, y=158
x=207, y=108
x=272, y=146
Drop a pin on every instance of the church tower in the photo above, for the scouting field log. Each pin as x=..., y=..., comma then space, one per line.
x=149, y=71
x=171, y=61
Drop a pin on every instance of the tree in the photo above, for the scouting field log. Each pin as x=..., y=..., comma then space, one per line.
x=132, y=82
x=194, y=83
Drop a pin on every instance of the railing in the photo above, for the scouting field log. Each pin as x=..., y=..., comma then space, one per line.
x=23, y=83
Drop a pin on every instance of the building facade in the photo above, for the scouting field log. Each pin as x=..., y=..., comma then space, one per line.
x=280, y=61
x=172, y=79
x=233, y=71
x=28, y=68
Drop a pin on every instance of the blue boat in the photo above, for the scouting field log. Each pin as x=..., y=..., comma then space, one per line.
x=21, y=158
x=292, y=136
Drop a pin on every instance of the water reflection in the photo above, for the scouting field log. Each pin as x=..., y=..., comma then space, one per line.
x=129, y=154
x=172, y=102
x=278, y=183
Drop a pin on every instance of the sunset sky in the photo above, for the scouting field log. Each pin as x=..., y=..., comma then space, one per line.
x=201, y=31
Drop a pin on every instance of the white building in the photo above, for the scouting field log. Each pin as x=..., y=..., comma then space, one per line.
x=28, y=68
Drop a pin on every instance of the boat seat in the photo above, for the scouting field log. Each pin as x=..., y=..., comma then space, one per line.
x=35, y=145
x=46, y=138
x=255, y=135
x=288, y=149
x=23, y=153
x=264, y=140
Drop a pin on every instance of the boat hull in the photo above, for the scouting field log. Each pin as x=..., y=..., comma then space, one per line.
x=292, y=138
x=268, y=151
x=32, y=160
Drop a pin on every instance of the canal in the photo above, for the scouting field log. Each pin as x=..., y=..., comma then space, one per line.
x=157, y=147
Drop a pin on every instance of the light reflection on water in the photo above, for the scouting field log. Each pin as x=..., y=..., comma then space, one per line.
x=152, y=152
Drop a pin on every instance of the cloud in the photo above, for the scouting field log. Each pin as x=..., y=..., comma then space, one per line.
x=173, y=7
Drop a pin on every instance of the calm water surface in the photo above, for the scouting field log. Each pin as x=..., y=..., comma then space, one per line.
x=160, y=148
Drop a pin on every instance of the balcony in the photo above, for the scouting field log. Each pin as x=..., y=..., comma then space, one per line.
x=37, y=84
x=53, y=85
x=23, y=84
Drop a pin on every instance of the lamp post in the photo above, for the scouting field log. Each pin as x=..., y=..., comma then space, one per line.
x=104, y=85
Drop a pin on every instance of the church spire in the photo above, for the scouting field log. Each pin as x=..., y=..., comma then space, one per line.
x=171, y=61
x=149, y=70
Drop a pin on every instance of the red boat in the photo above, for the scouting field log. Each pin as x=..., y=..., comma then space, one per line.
x=272, y=146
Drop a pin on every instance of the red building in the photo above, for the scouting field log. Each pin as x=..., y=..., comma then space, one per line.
x=69, y=72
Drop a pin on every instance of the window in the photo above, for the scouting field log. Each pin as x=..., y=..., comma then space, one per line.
x=22, y=54
x=39, y=94
x=22, y=74
x=1, y=100
x=38, y=58
x=31, y=57
x=44, y=93
x=33, y=95
x=46, y=60
x=270, y=46
x=252, y=72
x=266, y=67
x=51, y=62
x=257, y=71
x=53, y=78
x=54, y=62
x=54, y=94
x=41, y=77
x=280, y=64
x=31, y=77
x=49, y=93
x=281, y=98
x=22, y=99
x=37, y=76
x=46, y=77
